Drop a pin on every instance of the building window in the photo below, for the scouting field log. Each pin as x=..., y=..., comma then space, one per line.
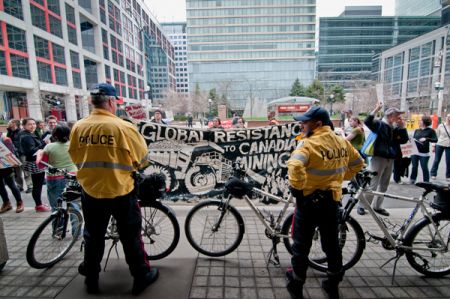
x=76, y=78
x=105, y=44
x=76, y=72
x=71, y=24
x=12, y=7
x=46, y=16
x=86, y=4
x=13, y=52
x=119, y=83
x=114, y=18
x=132, y=87
x=116, y=50
x=130, y=58
x=141, y=89
x=108, y=73
x=90, y=70
x=101, y=5
x=51, y=62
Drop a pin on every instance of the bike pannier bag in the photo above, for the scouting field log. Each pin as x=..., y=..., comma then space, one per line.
x=441, y=200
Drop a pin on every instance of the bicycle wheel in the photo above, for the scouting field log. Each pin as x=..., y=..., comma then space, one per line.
x=212, y=230
x=53, y=239
x=424, y=235
x=351, y=241
x=160, y=230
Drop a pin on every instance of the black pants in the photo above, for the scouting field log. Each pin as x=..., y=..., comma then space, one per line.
x=317, y=210
x=7, y=178
x=38, y=180
x=126, y=211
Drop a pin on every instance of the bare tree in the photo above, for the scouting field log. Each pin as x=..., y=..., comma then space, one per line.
x=176, y=102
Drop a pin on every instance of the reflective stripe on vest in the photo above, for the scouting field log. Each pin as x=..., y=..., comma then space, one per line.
x=299, y=157
x=325, y=172
x=356, y=161
x=101, y=164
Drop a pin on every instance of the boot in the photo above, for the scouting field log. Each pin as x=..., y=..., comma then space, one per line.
x=331, y=288
x=294, y=286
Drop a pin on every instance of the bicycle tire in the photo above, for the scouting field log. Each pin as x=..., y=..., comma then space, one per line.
x=160, y=230
x=422, y=233
x=352, y=245
x=49, y=245
x=225, y=238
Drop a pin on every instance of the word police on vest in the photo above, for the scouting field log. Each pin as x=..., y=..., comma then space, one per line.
x=334, y=153
x=97, y=139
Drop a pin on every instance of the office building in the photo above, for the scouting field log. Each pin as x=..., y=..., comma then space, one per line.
x=347, y=43
x=417, y=7
x=52, y=51
x=176, y=32
x=415, y=75
x=250, y=49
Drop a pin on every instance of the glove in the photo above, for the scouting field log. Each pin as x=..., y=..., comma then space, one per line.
x=296, y=193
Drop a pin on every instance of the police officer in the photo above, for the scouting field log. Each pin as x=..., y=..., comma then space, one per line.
x=316, y=169
x=107, y=150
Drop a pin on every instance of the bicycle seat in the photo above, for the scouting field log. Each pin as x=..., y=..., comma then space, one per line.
x=238, y=188
x=432, y=186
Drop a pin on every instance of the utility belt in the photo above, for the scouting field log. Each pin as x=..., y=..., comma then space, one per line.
x=315, y=197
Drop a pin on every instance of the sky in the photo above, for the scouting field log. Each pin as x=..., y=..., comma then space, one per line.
x=175, y=10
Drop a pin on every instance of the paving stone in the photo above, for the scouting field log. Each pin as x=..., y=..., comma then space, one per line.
x=217, y=271
x=263, y=282
x=200, y=281
x=231, y=271
x=215, y=292
x=36, y=291
x=398, y=292
x=231, y=281
x=365, y=293
x=247, y=281
x=216, y=281
x=52, y=292
x=6, y=290
x=382, y=292
x=266, y=293
x=248, y=293
x=414, y=292
x=246, y=271
x=349, y=293
x=198, y=292
x=232, y=293
x=202, y=271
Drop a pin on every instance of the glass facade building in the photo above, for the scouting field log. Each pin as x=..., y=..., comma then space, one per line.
x=415, y=75
x=177, y=34
x=51, y=52
x=347, y=44
x=417, y=7
x=250, y=48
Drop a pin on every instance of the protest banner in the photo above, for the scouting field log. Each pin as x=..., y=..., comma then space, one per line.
x=409, y=148
x=197, y=161
x=136, y=111
x=7, y=159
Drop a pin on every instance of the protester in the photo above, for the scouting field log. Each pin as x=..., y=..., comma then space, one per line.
x=56, y=154
x=316, y=173
x=7, y=178
x=272, y=120
x=13, y=132
x=105, y=174
x=240, y=123
x=190, y=121
x=442, y=145
x=422, y=137
x=348, y=116
x=217, y=124
x=391, y=133
x=401, y=164
x=40, y=128
x=157, y=117
x=356, y=135
x=30, y=144
x=52, y=121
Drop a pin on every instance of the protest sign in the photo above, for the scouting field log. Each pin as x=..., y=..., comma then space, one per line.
x=196, y=161
x=7, y=159
x=136, y=111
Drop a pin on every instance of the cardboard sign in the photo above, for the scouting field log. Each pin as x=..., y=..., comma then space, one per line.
x=136, y=111
x=409, y=148
x=196, y=162
x=7, y=159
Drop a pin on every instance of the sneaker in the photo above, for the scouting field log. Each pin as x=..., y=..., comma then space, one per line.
x=5, y=207
x=294, y=286
x=433, y=178
x=42, y=208
x=332, y=290
x=140, y=284
x=383, y=212
x=361, y=211
x=29, y=190
x=412, y=182
x=20, y=208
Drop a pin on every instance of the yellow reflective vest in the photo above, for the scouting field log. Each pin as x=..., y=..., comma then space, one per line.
x=106, y=150
x=322, y=161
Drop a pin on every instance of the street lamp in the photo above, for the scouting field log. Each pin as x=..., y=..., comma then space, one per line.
x=331, y=100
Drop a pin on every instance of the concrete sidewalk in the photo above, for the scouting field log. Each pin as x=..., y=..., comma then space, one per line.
x=185, y=274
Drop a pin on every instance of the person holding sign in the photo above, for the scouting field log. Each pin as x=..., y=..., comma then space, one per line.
x=422, y=137
x=390, y=134
x=442, y=145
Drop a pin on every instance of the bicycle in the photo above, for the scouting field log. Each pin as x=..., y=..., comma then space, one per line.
x=216, y=228
x=424, y=243
x=58, y=233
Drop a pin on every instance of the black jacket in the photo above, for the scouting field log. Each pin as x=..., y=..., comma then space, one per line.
x=15, y=138
x=387, y=144
x=30, y=144
x=429, y=134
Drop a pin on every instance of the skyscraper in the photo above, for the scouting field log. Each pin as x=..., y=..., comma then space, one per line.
x=249, y=49
x=417, y=7
x=176, y=32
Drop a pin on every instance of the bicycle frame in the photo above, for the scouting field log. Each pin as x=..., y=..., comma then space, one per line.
x=397, y=243
x=259, y=214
